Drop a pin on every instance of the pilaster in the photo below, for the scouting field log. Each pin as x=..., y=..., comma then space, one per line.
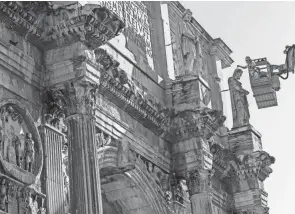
x=53, y=174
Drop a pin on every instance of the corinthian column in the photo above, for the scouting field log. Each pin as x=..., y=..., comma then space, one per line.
x=85, y=190
x=199, y=184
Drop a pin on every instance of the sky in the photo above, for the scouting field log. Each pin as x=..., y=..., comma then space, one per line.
x=261, y=29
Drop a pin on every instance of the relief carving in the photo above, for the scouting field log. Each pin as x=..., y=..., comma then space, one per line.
x=75, y=97
x=16, y=196
x=55, y=104
x=50, y=24
x=80, y=97
x=29, y=152
x=179, y=189
x=19, y=149
x=199, y=181
x=187, y=124
x=190, y=46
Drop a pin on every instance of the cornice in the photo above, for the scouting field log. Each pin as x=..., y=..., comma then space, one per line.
x=49, y=25
x=116, y=86
x=256, y=164
x=222, y=51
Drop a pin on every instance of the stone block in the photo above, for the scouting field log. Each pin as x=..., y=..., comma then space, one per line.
x=244, y=140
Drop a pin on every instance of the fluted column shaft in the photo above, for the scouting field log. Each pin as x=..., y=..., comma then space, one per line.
x=83, y=164
x=85, y=190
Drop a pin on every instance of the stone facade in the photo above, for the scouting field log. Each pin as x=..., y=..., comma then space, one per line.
x=115, y=107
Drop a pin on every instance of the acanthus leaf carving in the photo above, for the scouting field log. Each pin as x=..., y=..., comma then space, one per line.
x=199, y=180
x=78, y=96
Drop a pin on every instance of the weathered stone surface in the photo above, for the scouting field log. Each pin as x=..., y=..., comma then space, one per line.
x=54, y=179
x=117, y=132
x=240, y=106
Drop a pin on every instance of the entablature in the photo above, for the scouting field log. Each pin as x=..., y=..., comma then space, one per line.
x=51, y=24
x=239, y=168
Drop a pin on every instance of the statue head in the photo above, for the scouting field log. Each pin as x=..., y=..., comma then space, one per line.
x=237, y=73
x=248, y=60
x=187, y=15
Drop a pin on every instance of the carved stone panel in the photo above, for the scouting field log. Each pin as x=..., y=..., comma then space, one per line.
x=21, y=150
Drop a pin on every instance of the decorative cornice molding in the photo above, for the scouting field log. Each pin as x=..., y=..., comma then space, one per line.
x=220, y=49
x=122, y=91
x=48, y=25
x=256, y=164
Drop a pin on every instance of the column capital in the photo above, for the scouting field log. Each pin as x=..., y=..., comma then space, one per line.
x=199, y=181
x=74, y=97
x=80, y=97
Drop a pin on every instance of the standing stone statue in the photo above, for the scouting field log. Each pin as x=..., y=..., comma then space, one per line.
x=188, y=42
x=18, y=152
x=29, y=152
x=239, y=102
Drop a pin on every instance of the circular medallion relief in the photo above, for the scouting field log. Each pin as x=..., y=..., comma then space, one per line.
x=21, y=153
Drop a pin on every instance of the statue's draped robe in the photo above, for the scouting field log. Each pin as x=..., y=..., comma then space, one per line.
x=188, y=47
x=239, y=103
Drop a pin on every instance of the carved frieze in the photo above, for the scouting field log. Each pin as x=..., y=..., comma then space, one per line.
x=115, y=84
x=194, y=123
x=48, y=24
x=27, y=199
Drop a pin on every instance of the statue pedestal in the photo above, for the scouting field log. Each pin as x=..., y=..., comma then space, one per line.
x=244, y=140
x=186, y=92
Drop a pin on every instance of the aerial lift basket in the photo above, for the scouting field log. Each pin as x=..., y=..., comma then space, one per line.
x=264, y=90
